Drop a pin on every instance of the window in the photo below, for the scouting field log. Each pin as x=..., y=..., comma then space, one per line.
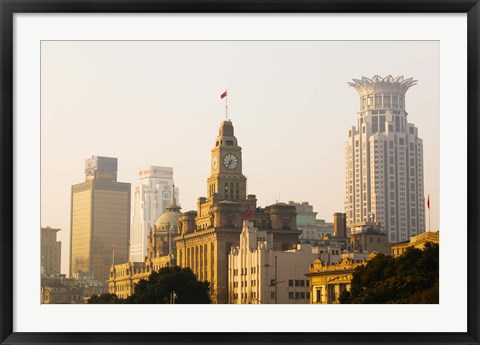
x=297, y=295
x=290, y=295
x=302, y=282
x=395, y=101
x=374, y=124
x=297, y=282
x=319, y=295
x=302, y=295
x=386, y=100
x=378, y=100
x=290, y=282
x=272, y=294
x=382, y=124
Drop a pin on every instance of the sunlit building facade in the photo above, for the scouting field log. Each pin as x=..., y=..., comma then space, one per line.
x=100, y=219
x=152, y=193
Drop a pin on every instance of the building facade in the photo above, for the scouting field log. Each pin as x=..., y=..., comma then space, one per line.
x=160, y=253
x=76, y=290
x=51, y=251
x=384, y=161
x=100, y=219
x=207, y=235
x=418, y=242
x=123, y=277
x=151, y=195
x=258, y=274
x=307, y=222
x=328, y=281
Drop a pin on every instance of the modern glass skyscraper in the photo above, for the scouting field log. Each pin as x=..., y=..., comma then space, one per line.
x=153, y=192
x=384, y=161
x=100, y=219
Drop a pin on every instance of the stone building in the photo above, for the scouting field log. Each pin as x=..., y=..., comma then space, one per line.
x=307, y=222
x=160, y=253
x=258, y=274
x=62, y=290
x=327, y=282
x=207, y=235
x=51, y=251
x=418, y=241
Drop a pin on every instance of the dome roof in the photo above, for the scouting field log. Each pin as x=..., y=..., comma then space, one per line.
x=169, y=219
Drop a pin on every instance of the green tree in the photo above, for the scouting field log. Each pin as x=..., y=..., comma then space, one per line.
x=105, y=298
x=410, y=278
x=161, y=285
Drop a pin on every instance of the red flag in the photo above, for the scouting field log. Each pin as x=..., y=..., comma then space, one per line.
x=249, y=213
x=223, y=95
x=428, y=201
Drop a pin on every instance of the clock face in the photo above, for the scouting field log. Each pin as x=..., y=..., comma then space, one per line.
x=230, y=161
x=214, y=163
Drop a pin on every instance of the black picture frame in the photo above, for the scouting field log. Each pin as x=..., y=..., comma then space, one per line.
x=10, y=7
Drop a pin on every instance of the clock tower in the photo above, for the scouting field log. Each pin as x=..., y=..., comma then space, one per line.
x=206, y=236
x=226, y=179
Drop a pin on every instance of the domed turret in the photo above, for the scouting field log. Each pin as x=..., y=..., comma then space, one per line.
x=169, y=219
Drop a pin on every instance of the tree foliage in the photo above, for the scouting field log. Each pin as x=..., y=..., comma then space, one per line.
x=161, y=286
x=409, y=278
x=105, y=298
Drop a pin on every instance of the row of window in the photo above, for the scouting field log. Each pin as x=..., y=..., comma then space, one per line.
x=299, y=295
x=298, y=282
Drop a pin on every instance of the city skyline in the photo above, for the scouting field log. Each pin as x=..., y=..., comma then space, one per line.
x=291, y=111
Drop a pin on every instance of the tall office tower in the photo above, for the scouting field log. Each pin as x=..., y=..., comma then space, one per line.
x=100, y=219
x=384, y=161
x=153, y=192
x=51, y=251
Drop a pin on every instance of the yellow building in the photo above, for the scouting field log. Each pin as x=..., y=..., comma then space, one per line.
x=100, y=219
x=123, y=277
x=416, y=242
x=206, y=235
x=327, y=282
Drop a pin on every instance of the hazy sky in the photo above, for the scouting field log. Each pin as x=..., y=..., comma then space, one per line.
x=158, y=103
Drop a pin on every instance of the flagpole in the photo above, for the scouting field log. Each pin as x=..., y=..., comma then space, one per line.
x=429, y=221
x=226, y=105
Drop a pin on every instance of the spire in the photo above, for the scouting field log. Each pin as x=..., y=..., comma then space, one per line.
x=173, y=207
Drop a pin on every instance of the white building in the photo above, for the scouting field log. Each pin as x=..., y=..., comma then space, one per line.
x=152, y=193
x=384, y=161
x=259, y=275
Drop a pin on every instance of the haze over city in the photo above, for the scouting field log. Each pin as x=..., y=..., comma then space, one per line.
x=158, y=103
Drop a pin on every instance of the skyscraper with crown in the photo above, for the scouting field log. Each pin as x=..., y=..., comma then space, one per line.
x=384, y=161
